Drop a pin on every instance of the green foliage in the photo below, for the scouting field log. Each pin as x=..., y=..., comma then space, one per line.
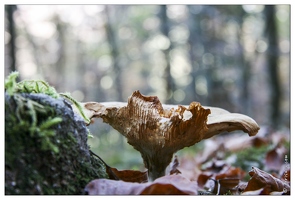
x=10, y=83
x=251, y=157
x=38, y=86
x=78, y=106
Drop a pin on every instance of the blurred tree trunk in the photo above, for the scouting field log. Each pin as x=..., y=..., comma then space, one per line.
x=194, y=29
x=114, y=53
x=208, y=38
x=272, y=57
x=10, y=9
x=60, y=65
x=246, y=72
x=167, y=75
x=117, y=69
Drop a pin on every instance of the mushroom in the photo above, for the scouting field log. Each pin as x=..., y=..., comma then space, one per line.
x=157, y=130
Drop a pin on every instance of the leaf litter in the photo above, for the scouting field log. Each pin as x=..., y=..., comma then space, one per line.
x=211, y=171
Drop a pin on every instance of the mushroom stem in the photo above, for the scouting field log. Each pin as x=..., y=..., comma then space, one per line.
x=156, y=164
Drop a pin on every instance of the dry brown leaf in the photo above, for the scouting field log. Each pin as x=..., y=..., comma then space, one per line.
x=170, y=184
x=124, y=175
x=230, y=172
x=112, y=187
x=261, y=179
x=259, y=142
x=203, y=178
x=274, y=158
x=128, y=175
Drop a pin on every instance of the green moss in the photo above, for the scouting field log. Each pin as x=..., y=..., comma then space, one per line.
x=28, y=86
x=39, y=86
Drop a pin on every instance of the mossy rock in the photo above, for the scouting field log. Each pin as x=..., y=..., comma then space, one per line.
x=46, y=150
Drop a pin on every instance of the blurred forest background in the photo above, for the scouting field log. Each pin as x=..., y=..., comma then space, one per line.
x=236, y=57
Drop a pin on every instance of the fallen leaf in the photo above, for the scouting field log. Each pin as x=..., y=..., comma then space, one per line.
x=112, y=187
x=124, y=175
x=203, y=178
x=128, y=175
x=170, y=184
x=230, y=172
x=274, y=159
x=259, y=141
x=162, y=189
x=220, y=178
x=261, y=179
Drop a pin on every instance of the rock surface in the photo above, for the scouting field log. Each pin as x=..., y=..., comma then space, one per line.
x=46, y=150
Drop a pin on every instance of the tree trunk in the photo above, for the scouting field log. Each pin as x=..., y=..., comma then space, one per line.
x=273, y=56
x=114, y=53
x=10, y=10
x=194, y=27
x=167, y=75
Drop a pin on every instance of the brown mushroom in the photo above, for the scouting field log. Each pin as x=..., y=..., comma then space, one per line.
x=157, y=131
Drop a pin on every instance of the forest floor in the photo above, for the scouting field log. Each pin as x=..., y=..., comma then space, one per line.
x=229, y=164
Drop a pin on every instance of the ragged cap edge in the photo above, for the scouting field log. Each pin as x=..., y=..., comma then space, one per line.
x=219, y=120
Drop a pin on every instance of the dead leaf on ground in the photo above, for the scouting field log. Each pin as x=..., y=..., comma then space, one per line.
x=112, y=187
x=274, y=159
x=261, y=179
x=170, y=184
x=124, y=175
x=203, y=178
x=127, y=175
x=221, y=178
x=230, y=172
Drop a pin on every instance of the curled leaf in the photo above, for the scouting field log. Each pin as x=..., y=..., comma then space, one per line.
x=261, y=179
